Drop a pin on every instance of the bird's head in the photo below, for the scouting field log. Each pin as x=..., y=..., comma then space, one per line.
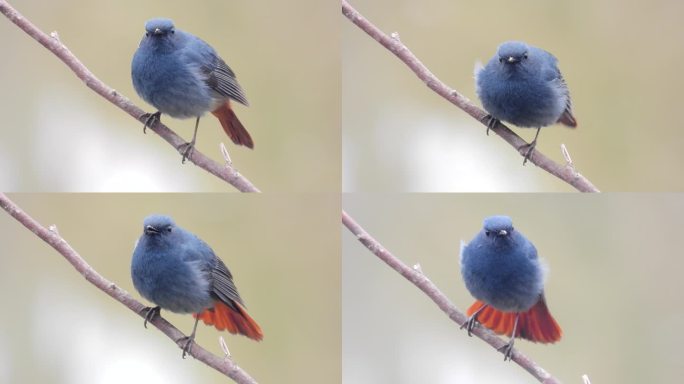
x=498, y=226
x=159, y=27
x=513, y=52
x=156, y=225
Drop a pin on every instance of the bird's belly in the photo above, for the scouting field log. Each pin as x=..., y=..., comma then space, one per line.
x=174, y=92
x=174, y=288
x=512, y=286
x=525, y=106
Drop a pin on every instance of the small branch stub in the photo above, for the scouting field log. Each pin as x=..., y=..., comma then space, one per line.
x=225, y=154
x=566, y=156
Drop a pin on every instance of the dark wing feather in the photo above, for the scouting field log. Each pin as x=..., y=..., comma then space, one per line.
x=552, y=73
x=221, y=79
x=223, y=287
x=567, y=118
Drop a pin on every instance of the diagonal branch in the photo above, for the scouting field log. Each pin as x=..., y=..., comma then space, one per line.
x=226, y=172
x=52, y=238
x=430, y=289
x=394, y=45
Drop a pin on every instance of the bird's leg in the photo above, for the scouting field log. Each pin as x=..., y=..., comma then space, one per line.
x=531, y=146
x=189, y=339
x=150, y=118
x=191, y=145
x=470, y=323
x=490, y=121
x=152, y=312
x=508, y=348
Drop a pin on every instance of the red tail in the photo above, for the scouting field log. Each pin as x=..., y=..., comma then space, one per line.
x=568, y=119
x=536, y=325
x=237, y=322
x=233, y=127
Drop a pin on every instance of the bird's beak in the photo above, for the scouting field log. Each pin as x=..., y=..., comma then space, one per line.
x=151, y=230
x=512, y=59
x=157, y=31
x=503, y=232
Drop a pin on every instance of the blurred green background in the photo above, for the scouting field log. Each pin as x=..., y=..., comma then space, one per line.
x=622, y=62
x=282, y=250
x=60, y=136
x=614, y=286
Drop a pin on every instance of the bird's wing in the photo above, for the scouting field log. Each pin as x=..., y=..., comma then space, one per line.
x=552, y=73
x=223, y=286
x=530, y=250
x=566, y=118
x=214, y=71
x=221, y=79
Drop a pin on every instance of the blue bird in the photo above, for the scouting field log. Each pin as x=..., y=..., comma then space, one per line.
x=501, y=270
x=522, y=85
x=179, y=272
x=183, y=77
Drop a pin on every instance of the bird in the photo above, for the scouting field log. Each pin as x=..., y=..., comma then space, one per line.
x=502, y=270
x=183, y=76
x=521, y=84
x=177, y=271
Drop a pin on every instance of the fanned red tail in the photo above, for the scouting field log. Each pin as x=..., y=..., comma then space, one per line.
x=237, y=322
x=536, y=325
x=233, y=127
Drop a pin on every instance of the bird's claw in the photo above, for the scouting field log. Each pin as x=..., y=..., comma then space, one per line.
x=507, y=350
x=150, y=118
x=186, y=149
x=490, y=121
x=469, y=325
x=530, y=148
x=152, y=312
x=188, y=343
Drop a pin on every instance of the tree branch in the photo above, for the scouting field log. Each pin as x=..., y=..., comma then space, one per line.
x=51, y=237
x=394, y=45
x=226, y=172
x=421, y=281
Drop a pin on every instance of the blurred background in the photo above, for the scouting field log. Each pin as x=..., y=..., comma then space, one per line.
x=58, y=135
x=622, y=62
x=287, y=272
x=614, y=286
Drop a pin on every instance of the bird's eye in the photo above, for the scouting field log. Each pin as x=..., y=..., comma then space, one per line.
x=168, y=229
x=501, y=60
x=525, y=56
x=486, y=233
x=147, y=34
x=173, y=31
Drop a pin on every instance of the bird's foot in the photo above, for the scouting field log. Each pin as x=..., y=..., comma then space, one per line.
x=186, y=149
x=469, y=325
x=152, y=312
x=530, y=147
x=149, y=119
x=507, y=349
x=490, y=121
x=188, y=342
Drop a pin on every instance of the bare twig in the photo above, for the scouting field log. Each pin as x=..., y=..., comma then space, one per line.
x=394, y=45
x=566, y=156
x=54, y=45
x=52, y=237
x=418, y=278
